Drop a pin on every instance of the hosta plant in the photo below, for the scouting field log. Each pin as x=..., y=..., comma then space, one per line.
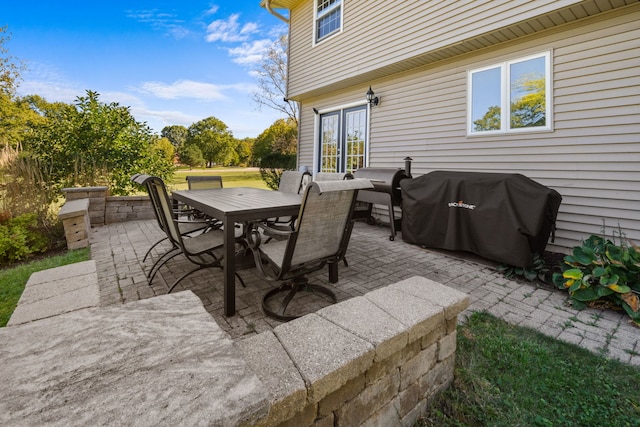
x=600, y=271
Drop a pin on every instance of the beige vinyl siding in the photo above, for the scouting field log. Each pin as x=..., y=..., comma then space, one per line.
x=393, y=36
x=592, y=156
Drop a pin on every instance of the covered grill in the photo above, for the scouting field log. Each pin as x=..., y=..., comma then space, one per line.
x=386, y=182
x=503, y=217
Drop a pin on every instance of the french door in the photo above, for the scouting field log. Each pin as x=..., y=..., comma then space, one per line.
x=343, y=140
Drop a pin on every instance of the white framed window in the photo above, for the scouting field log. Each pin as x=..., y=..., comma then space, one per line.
x=328, y=18
x=343, y=140
x=512, y=96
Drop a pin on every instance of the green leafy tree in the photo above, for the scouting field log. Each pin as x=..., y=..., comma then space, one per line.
x=15, y=113
x=176, y=134
x=93, y=143
x=165, y=149
x=275, y=150
x=214, y=139
x=244, y=150
x=191, y=155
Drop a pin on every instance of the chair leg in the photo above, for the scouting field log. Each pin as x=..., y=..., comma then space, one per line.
x=151, y=248
x=197, y=269
x=162, y=261
x=294, y=286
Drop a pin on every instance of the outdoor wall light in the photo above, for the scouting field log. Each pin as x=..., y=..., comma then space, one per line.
x=371, y=98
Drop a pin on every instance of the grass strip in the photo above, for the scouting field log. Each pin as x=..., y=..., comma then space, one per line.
x=14, y=279
x=507, y=375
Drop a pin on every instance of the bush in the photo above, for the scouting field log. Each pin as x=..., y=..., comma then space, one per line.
x=20, y=237
x=601, y=272
x=272, y=165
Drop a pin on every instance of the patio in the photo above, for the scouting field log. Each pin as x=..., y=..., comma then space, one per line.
x=374, y=262
x=104, y=347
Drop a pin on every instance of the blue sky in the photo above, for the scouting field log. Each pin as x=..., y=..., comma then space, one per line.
x=171, y=62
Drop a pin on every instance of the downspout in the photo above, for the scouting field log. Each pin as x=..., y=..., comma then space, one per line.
x=267, y=5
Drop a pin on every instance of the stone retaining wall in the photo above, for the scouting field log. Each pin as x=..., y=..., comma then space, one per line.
x=379, y=359
x=105, y=209
x=127, y=208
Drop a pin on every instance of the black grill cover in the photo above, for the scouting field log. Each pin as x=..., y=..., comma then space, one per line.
x=502, y=217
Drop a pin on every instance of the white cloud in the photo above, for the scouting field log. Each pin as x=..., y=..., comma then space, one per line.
x=229, y=30
x=184, y=89
x=250, y=53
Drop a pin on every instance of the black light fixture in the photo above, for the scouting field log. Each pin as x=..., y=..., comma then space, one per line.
x=371, y=98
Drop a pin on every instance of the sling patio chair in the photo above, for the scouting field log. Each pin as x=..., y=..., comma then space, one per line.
x=320, y=236
x=290, y=182
x=187, y=227
x=199, y=249
x=204, y=182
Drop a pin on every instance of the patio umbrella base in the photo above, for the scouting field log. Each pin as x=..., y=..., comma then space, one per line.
x=292, y=288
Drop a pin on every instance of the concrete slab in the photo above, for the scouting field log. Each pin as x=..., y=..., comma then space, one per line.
x=161, y=361
x=57, y=290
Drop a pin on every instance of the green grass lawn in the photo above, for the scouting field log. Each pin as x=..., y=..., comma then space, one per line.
x=231, y=177
x=13, y=280
x=511, y=376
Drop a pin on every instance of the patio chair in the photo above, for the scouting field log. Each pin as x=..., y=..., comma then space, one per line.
x=205, y=182
x=290, y=182
x=199, y=249
x=186, y=227
x=320, y=236
x=332, y=176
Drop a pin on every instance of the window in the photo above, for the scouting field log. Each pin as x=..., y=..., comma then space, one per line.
x=328, y=18
x=343, y=140
x=513, y=96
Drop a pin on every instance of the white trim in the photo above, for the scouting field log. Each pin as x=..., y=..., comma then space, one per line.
x=342, y=106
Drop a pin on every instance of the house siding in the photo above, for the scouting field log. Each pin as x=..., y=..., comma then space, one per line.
x=591, y=157
x=392, y=36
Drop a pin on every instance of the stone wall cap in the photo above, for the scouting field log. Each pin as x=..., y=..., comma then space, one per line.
x=371, y=323
x=452, y=300
x=326, y=355
x=73, y=208
x=82, y=189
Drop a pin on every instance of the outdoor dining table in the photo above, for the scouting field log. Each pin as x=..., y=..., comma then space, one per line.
x=238, y=205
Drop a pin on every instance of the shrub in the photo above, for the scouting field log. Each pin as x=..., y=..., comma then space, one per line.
x=600, y=271
x=20, y=237
x=538, y=271
x=272, y=165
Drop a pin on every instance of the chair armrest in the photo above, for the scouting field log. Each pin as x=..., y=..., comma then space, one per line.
x=255, y=230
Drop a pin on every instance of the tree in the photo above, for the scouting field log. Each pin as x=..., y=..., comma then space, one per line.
x=92, y=143
x=272, y=81
x=14, y=113
x=191, y=155
x=165, y=149
x=281, y=138
x=244, y=149
x=275, y=149
x=214, y=140
x=176, y=134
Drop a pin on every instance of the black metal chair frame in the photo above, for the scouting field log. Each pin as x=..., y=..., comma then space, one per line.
x=199, y=249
